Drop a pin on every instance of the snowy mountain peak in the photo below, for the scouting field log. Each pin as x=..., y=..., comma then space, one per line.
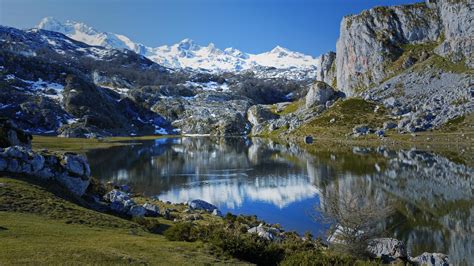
x=188, y=54
x=280, y=50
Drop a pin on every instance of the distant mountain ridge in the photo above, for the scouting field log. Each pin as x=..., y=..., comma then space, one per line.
x=189, y=55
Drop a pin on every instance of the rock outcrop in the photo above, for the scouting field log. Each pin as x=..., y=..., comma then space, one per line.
x=70, y=170
x=373, y=39
x=458, y=21
x=319, y=94
x=388, y=249
x=11, y=135
x=16, y=156
x=326, y=69
x=258, y=114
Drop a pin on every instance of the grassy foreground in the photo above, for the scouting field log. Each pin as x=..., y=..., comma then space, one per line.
x=39, y=226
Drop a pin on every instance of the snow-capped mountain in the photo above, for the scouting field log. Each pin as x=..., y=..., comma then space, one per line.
x=279, y=62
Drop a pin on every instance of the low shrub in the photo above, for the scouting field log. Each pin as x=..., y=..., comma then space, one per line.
x=182, y=231
x=150, y=224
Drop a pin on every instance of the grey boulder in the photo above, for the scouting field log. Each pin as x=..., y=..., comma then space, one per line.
x=434, y=259
x=389, y=249
x=202, y=205
x=319, y=94
x=151, y=210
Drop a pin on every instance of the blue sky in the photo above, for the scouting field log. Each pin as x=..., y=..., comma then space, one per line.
x=255, y=26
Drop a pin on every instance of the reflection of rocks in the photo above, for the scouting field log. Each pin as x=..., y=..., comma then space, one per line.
x=434, y=192
x=427, y=177
x=432, y=195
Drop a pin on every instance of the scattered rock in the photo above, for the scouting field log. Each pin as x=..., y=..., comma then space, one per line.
x=426, y=258
x=217, y=212
x=360, y=129
x=265, y=233
x=137, y=211
x=389, y=125
x=192, y=217
x=151, y=210
x=380, y=133
x=116, y=196
x=201, y=205
x=388, y=249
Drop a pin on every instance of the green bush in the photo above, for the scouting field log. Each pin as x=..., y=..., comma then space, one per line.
x=248, y=247
x=150, y=224
x=315, y=257
x=182, y=231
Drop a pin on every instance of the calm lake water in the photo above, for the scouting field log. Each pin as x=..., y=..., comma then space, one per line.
x=432, y=196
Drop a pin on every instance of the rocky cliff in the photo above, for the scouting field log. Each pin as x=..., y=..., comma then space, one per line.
x=457, y=17
x=326, y=68
x=372, y=41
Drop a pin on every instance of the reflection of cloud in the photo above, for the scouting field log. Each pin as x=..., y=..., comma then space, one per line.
x=276, y=190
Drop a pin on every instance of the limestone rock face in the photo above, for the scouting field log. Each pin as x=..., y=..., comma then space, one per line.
x=458, y=21
x=319, y=94
x=373, y=38
x=71, y=170
x=326, y=68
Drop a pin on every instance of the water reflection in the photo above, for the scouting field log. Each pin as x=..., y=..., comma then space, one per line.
x=433, y=196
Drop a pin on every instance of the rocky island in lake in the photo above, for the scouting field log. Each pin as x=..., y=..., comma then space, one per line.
x=115, y=152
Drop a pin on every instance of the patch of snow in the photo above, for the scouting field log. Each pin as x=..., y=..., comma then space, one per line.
x=122, y=91
x=188, y=54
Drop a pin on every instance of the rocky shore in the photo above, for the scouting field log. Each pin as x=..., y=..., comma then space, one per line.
x=72, y=172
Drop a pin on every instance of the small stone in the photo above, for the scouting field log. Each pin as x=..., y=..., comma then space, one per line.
x=151, y=210
x=137, y=211
x=216, y=212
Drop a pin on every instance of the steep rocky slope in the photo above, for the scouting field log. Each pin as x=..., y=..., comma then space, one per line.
x=372, y=41
x=415, y=60
x=52, y=84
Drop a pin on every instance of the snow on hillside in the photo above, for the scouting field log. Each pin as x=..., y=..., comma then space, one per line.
x=279, y=62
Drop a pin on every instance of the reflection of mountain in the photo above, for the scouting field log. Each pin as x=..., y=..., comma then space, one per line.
x=215, y=170
x=433, y=196
x=232, y=192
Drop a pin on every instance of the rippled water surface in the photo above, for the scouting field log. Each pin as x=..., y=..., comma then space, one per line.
x=432, y=196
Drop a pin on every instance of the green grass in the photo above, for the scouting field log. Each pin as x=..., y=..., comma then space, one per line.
x=446, y=65
x=82, y=145
x=32, y=239
x=347, y=114
x=39, y=225
x=290, y=108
